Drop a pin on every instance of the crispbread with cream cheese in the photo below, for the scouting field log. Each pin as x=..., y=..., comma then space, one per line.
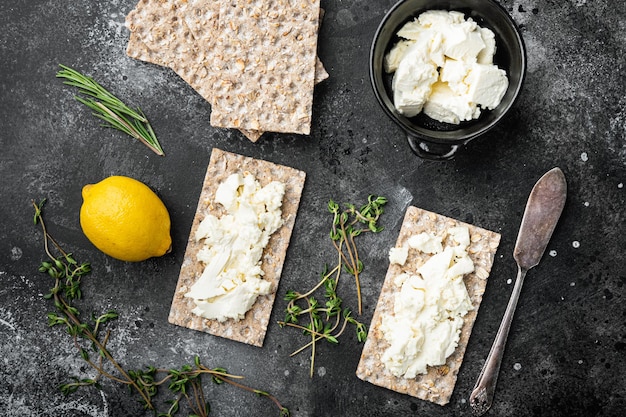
x=253, y=327
x=438, y=383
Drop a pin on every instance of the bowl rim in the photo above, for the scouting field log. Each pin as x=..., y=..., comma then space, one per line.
x=437, y=136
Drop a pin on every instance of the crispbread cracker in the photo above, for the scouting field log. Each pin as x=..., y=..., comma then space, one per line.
x=161, y=27
x=253, y=327
x=178, y=35
x=181, y=35
x=438, y=383
x=266, y=52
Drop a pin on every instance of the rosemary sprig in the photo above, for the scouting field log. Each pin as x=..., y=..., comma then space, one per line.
x=328, y=322
x=111, y=109
x=91, y=340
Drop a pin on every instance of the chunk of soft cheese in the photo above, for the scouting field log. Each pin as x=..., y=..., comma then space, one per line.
x=426, y=242
x=444, y=67
x=233, y=246
x=425, y=326
x=398, y=255
x=446, y=106
x=413, y=80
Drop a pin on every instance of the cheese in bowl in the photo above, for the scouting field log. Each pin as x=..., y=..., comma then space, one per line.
x=443, y=66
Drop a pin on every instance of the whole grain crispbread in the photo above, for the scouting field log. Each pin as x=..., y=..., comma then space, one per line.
x=265, y=56
x=182, y=35
x=253, y=327
x=438, y=383
x=161, y=34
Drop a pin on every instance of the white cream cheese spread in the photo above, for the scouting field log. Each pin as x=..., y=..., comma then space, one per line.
x=429, y=306
x=398, y=255
x=233, y=247
x=444, y=67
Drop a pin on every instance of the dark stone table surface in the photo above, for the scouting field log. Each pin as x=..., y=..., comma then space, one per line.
x=566, y=351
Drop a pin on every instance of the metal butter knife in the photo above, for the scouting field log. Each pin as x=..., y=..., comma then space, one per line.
x=542, y=213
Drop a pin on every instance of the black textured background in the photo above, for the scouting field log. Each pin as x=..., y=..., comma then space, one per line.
x=566, y=351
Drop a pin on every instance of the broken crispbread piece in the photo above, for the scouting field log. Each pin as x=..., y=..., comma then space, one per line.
x=265, y=55
x=160, y=34
x=181, y=36
x=186, y=36
x=438, y=383
x=252, y=328
x=178, y=35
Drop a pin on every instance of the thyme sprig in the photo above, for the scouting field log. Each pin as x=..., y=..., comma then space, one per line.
x=329, y=321
x=91, y=338
x=111, y=109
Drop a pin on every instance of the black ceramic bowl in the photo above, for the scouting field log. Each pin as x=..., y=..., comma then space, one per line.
x=429, y=138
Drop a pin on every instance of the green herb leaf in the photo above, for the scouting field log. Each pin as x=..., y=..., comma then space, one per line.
x=110, y=109
x=184, y=383
x=347, y=224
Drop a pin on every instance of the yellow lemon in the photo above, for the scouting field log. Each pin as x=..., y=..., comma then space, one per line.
x=125, y=219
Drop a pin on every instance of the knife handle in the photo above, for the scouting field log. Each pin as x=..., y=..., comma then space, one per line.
x=481, y=397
